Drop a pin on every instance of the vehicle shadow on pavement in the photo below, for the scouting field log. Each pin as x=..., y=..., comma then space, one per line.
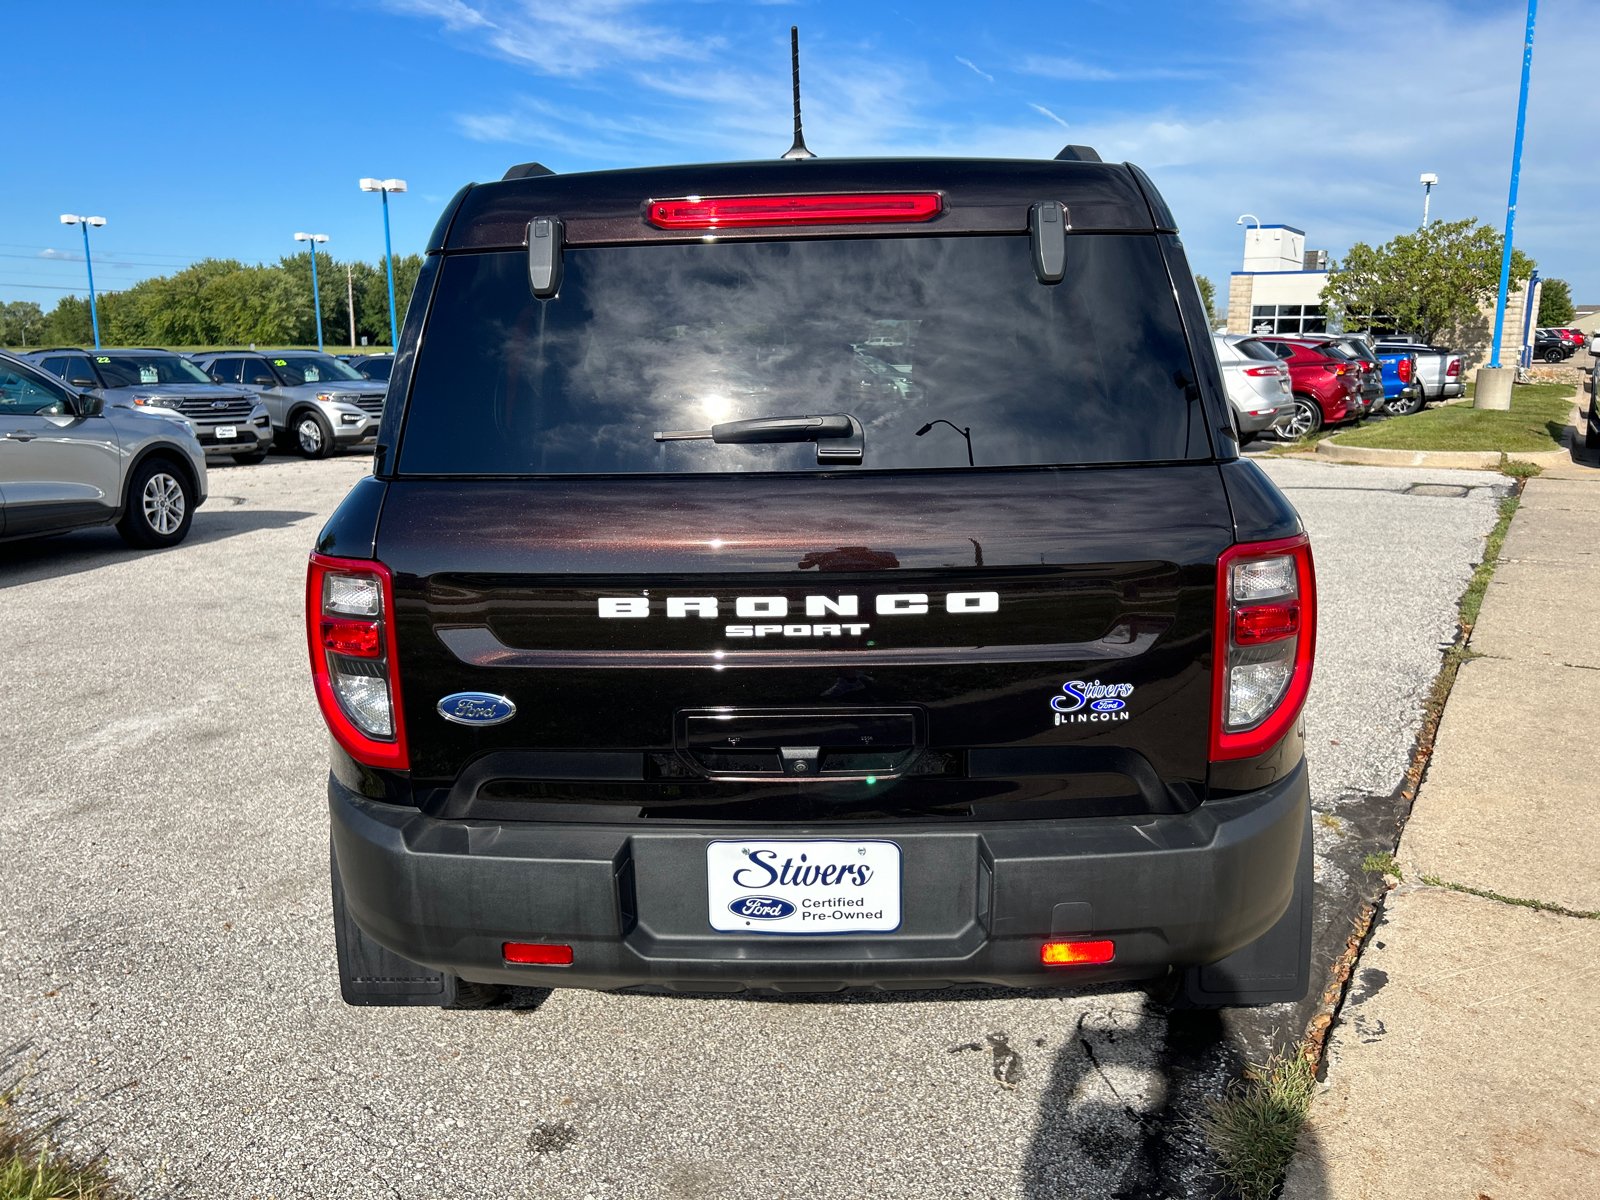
x=33, y=559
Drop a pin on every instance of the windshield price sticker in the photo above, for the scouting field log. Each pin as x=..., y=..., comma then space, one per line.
x=803, y=887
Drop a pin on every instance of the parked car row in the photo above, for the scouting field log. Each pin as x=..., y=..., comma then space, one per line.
x=70, y=459
x=238, y=403
x=1558, y=345
x=1319, y=380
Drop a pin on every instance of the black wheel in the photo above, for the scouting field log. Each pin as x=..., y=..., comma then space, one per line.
x=1307, y=419
x=251, y=459
x=160, y=506
x=313, y=436
x=1553, y=356
x=1404, y=406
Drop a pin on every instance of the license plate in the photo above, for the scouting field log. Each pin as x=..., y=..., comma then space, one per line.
x=823, y=886
x=227, y=431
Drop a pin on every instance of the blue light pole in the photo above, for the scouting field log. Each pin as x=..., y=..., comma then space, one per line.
x=385, y=186
x=316, y=239
x=1511, y=203
x=70, y=219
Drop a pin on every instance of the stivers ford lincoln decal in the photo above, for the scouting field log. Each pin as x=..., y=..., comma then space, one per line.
x=769, y=615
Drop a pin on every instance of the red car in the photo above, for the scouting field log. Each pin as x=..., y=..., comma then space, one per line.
x=1326, y=382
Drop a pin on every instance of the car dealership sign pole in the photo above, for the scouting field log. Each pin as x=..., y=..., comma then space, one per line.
x=1494, y=381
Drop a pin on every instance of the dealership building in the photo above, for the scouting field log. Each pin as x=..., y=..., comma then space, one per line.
x=1280, y=289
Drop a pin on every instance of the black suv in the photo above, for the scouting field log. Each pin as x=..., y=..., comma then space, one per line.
x=813, y=575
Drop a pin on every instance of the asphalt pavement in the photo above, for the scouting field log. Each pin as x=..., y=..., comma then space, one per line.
x=167, y=976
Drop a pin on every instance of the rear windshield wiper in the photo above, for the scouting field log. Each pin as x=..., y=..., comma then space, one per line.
x=838, y=435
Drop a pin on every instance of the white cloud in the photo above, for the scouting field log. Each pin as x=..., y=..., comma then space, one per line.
x=453, y=13
x=1048, y=113
x=60, y=255
x=965, y=62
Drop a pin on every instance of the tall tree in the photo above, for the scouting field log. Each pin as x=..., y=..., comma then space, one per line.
x=21, y=324
x=1425, y=283
x=1555, y=305
x=1208, y=297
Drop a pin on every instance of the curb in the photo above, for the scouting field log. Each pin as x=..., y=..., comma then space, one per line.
x=1470, y=460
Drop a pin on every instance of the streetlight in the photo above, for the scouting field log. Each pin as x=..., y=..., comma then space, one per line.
x=316, y=300
x=1428, y=180
x=70, y=219
x=386, y=186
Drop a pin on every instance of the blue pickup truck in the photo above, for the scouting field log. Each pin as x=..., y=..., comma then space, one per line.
x=1402, y=385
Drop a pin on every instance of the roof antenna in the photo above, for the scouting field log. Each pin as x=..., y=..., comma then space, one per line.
x=798, y=150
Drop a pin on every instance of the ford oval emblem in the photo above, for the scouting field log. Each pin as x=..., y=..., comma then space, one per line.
x=761, y=908
x=476, y=708
x=1108, y=705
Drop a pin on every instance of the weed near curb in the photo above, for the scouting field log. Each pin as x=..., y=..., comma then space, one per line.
x=1255, y=1127
x=30, y=1169
x=1537, y=905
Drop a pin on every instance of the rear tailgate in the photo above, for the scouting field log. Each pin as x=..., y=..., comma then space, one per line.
x=1006, y=644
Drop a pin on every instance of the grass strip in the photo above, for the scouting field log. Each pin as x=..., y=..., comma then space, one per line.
x=1472, y=598
x=1539, y=905
x=1255, y=1127
x=1536, y=421
x=30, y=1169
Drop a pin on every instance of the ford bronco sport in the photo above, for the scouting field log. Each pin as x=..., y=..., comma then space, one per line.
x=814, y=575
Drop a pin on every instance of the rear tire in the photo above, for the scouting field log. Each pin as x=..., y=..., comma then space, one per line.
x=1307, y=419
x=313, y=436
x=1553, y=356
x=159, y=506
x=1404, y=406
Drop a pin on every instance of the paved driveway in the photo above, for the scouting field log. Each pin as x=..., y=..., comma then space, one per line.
x=166, y=953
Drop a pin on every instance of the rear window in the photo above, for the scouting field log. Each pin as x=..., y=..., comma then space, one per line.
x=898, y=333
x=1255, y=350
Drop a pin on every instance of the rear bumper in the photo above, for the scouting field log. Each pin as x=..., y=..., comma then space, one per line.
x=978, y=900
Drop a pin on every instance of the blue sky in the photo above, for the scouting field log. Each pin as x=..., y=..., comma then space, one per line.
x=221, y=129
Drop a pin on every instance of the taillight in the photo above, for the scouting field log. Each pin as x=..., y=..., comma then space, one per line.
x=1276, y=370
x=1265, y=643
x=1403, y=369
x=1454, y=369
x=732, y=212
x=354, y=668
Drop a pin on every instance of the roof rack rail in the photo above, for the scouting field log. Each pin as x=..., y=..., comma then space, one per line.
x=1078, y=154
x=55, y=350
x=527, y=171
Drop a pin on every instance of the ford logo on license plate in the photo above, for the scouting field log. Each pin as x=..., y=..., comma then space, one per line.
x=476, y=708
x=761, y=908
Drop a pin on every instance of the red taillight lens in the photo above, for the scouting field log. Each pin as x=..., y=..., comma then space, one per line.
x=354, y=666
x=546, y=954
x=1403, y=369
x=361, y=639
x=1454, y=369
x=1265, y=370
x=1265, y=623
x=1265, y=644
x=1071, y=954
x=734, y=212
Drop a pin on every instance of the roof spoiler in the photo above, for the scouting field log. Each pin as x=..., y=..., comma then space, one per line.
x=1078, y=154
x=527, y=171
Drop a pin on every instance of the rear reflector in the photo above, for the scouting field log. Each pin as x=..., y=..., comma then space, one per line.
x=1068, y=954
x=547, y=954
x=733, y=212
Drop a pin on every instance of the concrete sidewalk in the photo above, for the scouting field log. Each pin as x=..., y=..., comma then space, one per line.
x=1465, y=1062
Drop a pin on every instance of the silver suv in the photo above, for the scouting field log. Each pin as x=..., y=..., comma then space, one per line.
x=68, y=459
x=228, y=422
x=316, y=402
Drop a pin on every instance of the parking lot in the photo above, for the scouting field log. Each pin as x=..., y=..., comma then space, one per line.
x=167, y=967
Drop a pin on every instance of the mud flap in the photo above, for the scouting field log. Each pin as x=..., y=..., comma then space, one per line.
x=371, y=975
x=1273, y=969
